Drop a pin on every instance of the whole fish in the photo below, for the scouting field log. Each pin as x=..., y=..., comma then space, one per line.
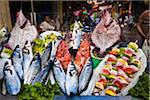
x=71, y=79
x=85, y=75
x=43, y=73
x=17, y=60
x=47, y=53
x=59, y=74
x=76, y=35
x=11, y=79
x=33, y=69
x=27, y=57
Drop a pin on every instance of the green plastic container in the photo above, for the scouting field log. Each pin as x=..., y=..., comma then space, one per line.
x=96, y=61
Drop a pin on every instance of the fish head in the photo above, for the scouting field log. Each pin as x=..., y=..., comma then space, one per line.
x=36, y=57
x=73, y=70
x=27, y=47
x=17, y=51
x=8, y=68
x=4, y=33
x=49, y=45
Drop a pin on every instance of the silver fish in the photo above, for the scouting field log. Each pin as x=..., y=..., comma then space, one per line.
x=4, y=35
x=71, y=79
x=47, y=53
x=85, y=75
x=59, y=75
x=43, y=73
x=33, y=69
x=55, y=44
x=27, y=57
x=11, y=79
x=17, y=60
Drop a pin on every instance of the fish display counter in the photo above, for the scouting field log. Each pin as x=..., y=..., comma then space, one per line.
x=85, y=66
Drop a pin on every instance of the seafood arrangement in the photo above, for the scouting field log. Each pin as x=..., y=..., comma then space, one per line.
x=73, y=75
x=23, y=66
x=48, y=58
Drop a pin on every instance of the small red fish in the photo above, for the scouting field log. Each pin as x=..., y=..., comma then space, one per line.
x=82, y=55
x=63, y=54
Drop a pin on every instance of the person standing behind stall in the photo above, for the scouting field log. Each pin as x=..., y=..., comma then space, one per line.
x=143, y=25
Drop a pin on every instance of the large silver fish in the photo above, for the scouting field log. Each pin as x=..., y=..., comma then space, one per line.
x=85, y=75
x=4, y=35
x=11, y=79
x=27, y=57
x=71, y=79
x=59, y=75
x=43, y=73
x=47, y=53
x=17, y=60
x=33, y=69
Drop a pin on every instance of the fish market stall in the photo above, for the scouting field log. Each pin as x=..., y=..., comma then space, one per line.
x=85, y=61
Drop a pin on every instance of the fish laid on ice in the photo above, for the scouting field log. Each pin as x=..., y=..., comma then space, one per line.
x=46, y=55
x=59, y=75
x=27, y=57
x=17, y=60
x=71, y=79
x=85, y=75
x=43, y=73
x=11, y=79
x=33, y=69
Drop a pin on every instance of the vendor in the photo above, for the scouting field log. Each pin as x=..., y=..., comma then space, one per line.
x=143, y=25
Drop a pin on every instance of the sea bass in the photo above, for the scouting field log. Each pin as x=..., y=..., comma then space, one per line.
x=85, y=75
x=47, y=53
x=71, y=79
x=11, y=79
x=43, y=73
x=33, y=69
x=59, y=74
x=17, y=60
x=27, y=57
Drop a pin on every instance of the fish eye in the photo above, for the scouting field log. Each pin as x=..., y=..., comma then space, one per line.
x=4, y=30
